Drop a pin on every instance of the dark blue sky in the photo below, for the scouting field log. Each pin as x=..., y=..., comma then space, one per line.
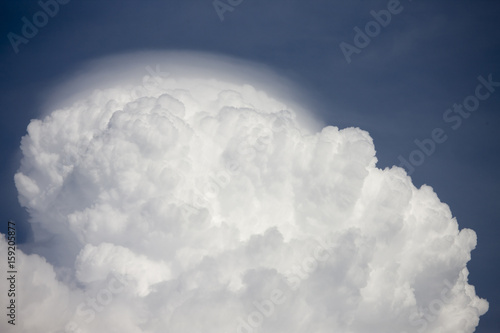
x=397, y=88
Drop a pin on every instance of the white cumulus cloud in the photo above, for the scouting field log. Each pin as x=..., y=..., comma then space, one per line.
x=206, y=205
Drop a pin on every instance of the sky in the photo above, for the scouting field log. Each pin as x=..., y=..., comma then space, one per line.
x=399, y=82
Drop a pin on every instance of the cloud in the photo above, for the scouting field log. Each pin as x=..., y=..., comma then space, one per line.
x=204, y=204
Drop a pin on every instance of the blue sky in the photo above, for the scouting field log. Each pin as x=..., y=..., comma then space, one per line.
x=398, y=87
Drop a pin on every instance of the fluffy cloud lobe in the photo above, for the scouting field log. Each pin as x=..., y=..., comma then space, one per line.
x=197, y=205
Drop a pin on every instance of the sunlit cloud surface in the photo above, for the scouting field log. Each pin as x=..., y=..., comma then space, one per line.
x=177, y=202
